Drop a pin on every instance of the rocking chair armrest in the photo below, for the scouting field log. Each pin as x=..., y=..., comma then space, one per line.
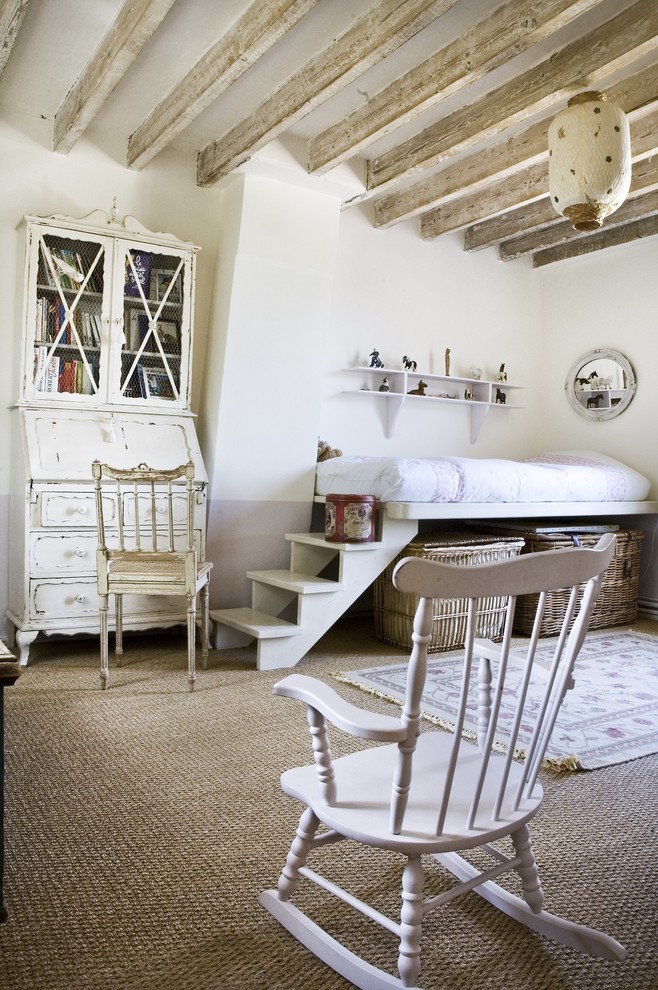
x=341, y=713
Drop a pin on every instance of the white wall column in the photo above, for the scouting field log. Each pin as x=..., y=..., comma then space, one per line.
x=262, y=384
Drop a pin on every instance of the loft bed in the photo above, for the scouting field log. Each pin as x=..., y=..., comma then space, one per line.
x=572, y=484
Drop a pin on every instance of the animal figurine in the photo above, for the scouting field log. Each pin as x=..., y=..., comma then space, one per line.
x=594, y=400
x=375, y=360
x=419, y=390
x=409, y=365
x=501, y=397
x=325, y=451
x=385, y=385
x=502, y=374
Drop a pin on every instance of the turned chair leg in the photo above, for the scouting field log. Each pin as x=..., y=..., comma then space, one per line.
x=411, y=919
x=191, y=637
x=205, y=623
x=105, y=666
x=118, y=626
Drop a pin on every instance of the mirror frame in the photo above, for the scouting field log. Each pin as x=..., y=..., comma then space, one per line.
x=600, y=354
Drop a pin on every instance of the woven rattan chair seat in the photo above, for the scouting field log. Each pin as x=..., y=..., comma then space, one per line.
x=174, y=568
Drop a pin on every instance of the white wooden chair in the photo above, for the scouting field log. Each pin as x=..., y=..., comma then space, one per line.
x=152, y=552
x=434, y=794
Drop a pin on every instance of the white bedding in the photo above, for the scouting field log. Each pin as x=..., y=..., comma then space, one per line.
x=574, y=476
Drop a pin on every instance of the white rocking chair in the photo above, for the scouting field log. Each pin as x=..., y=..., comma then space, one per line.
x=152, y=551
x=435, y=794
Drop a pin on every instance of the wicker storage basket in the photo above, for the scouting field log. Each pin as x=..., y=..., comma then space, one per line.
x=617, y=601
x=394, y=610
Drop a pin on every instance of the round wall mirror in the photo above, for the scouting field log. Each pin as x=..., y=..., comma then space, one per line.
x=600, y=384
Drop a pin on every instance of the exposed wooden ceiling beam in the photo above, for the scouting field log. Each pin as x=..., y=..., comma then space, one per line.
x=382, y=29
x=563, y=233
x=262, y=25
x=504, y=32
x=527, y=185
x=635, y=95
x=533, y=216
x=647, y=227
x=610, y=47
x=521, y=187
x=131, y=29
x=12, y=13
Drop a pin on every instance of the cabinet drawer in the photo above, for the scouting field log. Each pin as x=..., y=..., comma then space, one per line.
x=57, y=599
x=52, y=554
x=66, y=553
x=179, y=508
x=53, y=599
x=63, y=508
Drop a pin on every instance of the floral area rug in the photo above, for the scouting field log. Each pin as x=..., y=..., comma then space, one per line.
x=610, y=716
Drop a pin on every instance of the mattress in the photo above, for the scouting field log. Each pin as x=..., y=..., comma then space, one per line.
x=571, y=476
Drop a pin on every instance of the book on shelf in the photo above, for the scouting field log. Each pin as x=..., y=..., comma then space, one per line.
x=67, y=376
x=91, y=329
x=40, y=353
x=138, y=273
x=41, y=321
x=139, y=328
x=51, y=374
x=157, y=383
x=81, y=379
x=142, y=382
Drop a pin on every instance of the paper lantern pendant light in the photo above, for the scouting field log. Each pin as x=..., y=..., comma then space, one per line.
x=589, y=165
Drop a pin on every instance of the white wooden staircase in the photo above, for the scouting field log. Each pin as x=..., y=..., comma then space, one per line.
x=291, y=609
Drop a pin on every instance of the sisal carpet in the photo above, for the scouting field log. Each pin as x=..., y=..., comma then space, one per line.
x=610, y=716
x=143, y=821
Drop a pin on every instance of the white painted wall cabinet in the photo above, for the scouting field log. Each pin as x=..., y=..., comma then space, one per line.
x=104, y=373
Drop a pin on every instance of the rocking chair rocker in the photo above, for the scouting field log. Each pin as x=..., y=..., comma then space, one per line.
x=434, y=794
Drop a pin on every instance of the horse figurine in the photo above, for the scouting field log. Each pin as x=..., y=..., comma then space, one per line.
x=409, y=365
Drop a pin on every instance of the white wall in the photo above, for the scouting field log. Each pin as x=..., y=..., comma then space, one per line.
x=263, y=374
x=403, y=295
x=607, y=299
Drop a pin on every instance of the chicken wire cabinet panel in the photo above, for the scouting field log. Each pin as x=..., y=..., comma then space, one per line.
x=108, y=314
x=104, y=374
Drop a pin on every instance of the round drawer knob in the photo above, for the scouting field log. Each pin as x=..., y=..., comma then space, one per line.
x=82, y=510
x=81, y=598
x=80, y=552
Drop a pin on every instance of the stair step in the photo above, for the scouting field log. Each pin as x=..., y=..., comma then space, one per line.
x=260, y=625
x=318, y=540
x=302, y=584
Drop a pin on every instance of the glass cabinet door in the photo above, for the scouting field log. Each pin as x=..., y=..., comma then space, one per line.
x=69, y=315
x=154, y=343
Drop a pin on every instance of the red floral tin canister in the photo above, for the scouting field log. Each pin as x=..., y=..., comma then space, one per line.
x=349, y=518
